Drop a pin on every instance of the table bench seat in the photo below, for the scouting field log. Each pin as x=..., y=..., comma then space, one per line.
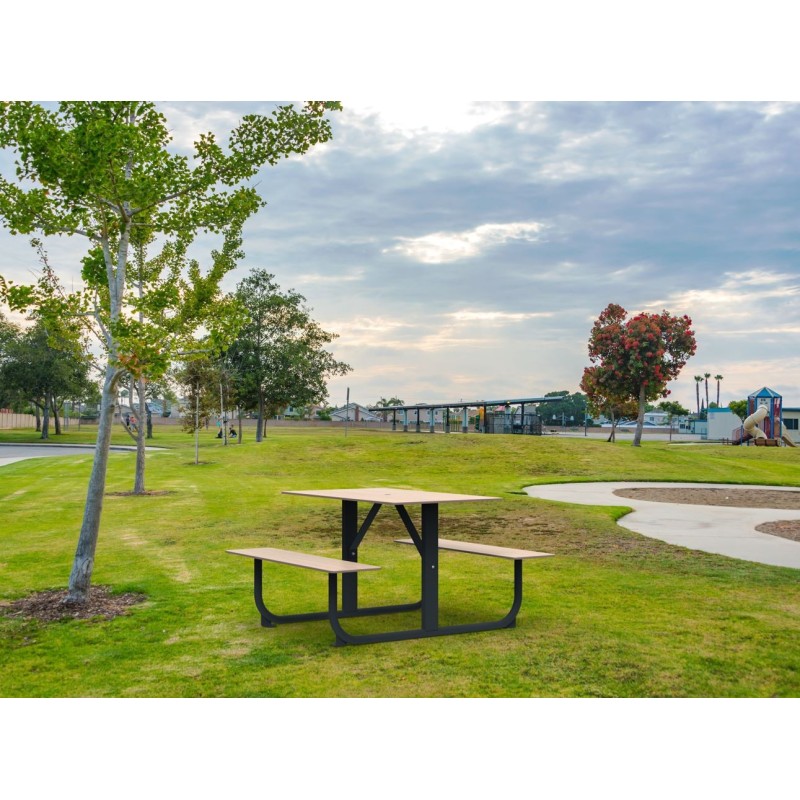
x=332, y=567
x=479, y=549
x=295, y=558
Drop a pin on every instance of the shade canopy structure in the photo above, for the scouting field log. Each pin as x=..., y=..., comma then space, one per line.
x=431, y=409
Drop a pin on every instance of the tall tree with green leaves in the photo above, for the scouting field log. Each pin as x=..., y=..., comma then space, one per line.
x=634, y=359
x=105, y=171
x=698, y=379
x=8, y=336
x=739, y=407
x=45, y=371
x=673, y=409
x=384, y=403
x=279, y=356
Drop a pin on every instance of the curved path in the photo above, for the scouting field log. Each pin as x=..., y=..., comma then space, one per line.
x=9, y=453
x=714, y=529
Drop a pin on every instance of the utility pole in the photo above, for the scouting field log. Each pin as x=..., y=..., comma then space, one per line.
x=346, y=412
x=222, y=416
x=197, y=424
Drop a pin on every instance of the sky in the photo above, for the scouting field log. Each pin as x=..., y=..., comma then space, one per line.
x=463, y=249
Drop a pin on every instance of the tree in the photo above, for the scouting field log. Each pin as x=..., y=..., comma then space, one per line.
x=698, y=380
x=571, y=408
x=601, y=402
x=104, y=171
x=279, y=357
x=199, y=378
x=673, y=409
x=718, y=378
x=384, y=403
x=739, y=407
x=8, y=336
x=634, y=359
x=706, y=376
x=45, y=370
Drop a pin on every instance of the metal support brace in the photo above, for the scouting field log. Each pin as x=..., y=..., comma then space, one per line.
x=343, y=637
x=401, y=510
x=270, y=619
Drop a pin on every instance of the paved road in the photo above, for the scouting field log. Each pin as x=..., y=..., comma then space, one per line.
x=713, y=529
x=9, y=453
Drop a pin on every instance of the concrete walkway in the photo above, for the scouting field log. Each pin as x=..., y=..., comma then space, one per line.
x=714, y=529
x=9, y=453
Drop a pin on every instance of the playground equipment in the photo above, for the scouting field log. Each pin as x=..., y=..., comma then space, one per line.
x=751, y=423
x=764, y=409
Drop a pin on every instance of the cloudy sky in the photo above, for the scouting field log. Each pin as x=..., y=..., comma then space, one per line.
x=463, y=249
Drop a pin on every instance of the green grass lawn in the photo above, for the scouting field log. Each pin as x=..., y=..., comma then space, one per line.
x=614, y=614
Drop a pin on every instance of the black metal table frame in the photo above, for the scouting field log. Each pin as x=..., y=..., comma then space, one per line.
x=427, y=543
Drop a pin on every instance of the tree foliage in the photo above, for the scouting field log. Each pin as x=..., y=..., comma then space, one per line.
x=570, y=408
x=199, y=379
x=673, y=408
x=279, y=358
x=634, y=359
x=44, y=370
x=105, y=171
x=384, y=403
x=739, y=407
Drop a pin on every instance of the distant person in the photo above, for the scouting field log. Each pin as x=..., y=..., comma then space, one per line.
x=133, y=425
x=232, y=434
x=127, y=420
x=219, y=433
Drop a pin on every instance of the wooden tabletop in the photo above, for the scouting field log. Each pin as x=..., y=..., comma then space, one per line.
x=392, y=497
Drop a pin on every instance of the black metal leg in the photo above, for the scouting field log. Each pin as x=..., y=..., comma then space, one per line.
x=269, y=619
x=430, y=566
x=349, y=553
x=343, y=637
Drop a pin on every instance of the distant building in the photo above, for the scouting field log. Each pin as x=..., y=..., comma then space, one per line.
x=791, y=419
x=354, y=412
x=721, y=423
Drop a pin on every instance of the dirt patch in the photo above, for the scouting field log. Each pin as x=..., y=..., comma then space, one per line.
x=786, y=528
x=739, y=498
x=138, y=494
x=51, y=605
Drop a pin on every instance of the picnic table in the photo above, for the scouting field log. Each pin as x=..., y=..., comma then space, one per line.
x=425, y=539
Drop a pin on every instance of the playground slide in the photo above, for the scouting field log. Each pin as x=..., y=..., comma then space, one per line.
x=787, y=439
x=751, y=423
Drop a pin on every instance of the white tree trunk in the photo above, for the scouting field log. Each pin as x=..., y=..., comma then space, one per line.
x=81, y=577
x=138, y=484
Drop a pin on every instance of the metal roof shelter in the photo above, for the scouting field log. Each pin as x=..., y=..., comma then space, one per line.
x=431, y=408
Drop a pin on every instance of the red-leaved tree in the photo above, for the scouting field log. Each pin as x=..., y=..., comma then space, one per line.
x=634, y=359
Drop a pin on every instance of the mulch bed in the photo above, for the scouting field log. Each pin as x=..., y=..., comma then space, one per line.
x=51, y=606
x=786, y=528
x=738, y=498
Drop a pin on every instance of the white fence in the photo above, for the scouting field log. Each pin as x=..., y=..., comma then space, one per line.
x=9, y=420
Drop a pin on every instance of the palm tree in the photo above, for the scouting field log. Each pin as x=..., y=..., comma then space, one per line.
x=718, y=378
x=698, y=381
x=706, y=375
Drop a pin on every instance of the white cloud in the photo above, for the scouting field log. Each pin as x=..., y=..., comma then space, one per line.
x=739, y=294
x=316, y=278
x=432, y=116
x=443, y=247
x=500, y=317
x=187, y=123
